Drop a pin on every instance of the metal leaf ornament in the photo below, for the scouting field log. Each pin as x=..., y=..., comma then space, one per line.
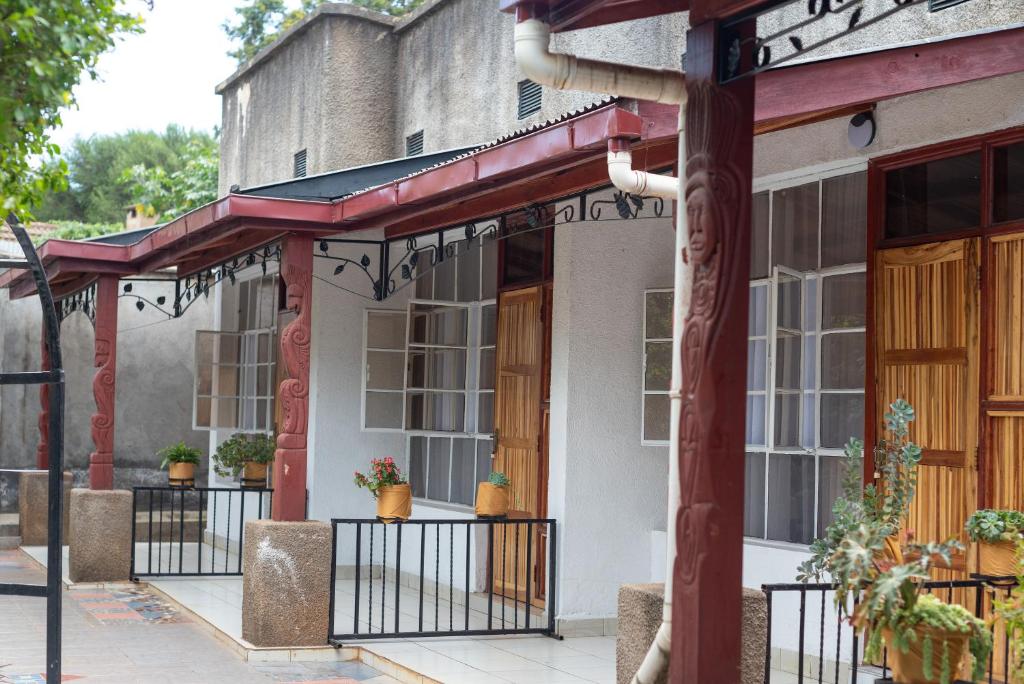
x=622, y=206
x=140, y=305
x=365, y=261
x=338, y=269
x=127, y=288
x=161, y=300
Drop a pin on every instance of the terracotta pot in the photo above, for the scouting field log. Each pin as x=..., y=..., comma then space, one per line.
x=181, y=474
x=254, y=474
x=892, y=548
x=997, y=559
x=908, y=668
x=394, y=503
x=491, y=500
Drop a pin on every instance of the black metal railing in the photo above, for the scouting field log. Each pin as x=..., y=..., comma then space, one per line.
x=470, y=577
x=193, y=531
x=818, y=623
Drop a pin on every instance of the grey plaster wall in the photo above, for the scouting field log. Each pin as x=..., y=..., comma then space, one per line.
x=327, y=88
x=155, y=361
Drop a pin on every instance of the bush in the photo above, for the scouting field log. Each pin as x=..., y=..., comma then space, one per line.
x=178, y=453
x=498, y=479
x=242, y=448
x=992, y=526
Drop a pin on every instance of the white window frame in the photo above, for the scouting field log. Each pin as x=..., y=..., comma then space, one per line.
x=365, y=375
x=644, y=339
x=239, y=395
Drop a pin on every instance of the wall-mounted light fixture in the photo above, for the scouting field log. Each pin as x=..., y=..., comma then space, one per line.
x=861, y=131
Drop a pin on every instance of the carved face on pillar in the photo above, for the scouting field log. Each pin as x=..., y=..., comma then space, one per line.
x=702, y=224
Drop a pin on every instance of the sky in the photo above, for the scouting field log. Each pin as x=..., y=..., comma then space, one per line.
x=165, y=75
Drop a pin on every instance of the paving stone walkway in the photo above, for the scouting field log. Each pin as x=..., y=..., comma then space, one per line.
x=128, y=635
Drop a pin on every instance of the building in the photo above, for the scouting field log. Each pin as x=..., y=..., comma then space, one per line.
x=496, y=304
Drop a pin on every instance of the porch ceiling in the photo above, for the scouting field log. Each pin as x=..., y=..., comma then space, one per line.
x=570, y=15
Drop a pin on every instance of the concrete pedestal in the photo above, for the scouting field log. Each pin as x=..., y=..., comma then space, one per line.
x=286, y=577
x=640, y=611
x=33, y=498
x=100, y=535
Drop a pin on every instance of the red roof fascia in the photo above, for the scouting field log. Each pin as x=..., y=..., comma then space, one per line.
x=577, y=14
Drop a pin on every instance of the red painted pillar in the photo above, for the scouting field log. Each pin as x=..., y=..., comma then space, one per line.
x=43, y=449
x=707, y=581
x=290, y=457
x=101, y=461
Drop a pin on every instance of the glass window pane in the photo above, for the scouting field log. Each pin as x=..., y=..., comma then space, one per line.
x=757, y=313
x=424, y=274
x=444, y=279
x=438, y=325
x=1008, y=182
x=795, y=227
x=225, y=413
x=936, y=197
x=791, y=498
x=787, y=420
x=228, y=349
x=757, y=364
x=418, y=466
x=809, y=355
x=807, y=421
x=753, y=506
x=438, y=468
x=489, y=268
x=384, y=370
x=657, y=366
x=658, y=315
x=787, y=361
x=488, y=325
x=243, y=305
x=204, y=410
x=483, y=460
x=842, y=361
x=442, y=411
x=463, y=471
x=524, y=256
x=843, y=298
x=756, y=419
x=830, y=485
x=485, y=411
x=844, y=217
x=759, y=236
x=384, y=410
x=468, y=267
x=656, y=417
x=789, y=302
x=842, y=417
x=437, y=368
x=385, y=330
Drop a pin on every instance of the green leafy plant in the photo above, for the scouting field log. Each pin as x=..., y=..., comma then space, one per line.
x=856, y=554
x=239, y=449
x=498, y=479
x=178, y=453
x=993, y=525
x=1011, y=610
x=384, y=472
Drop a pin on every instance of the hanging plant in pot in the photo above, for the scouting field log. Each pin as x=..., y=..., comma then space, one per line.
x=245, y=454
x=997, y=534
x=180, y=462
x=389, y=487
x=1011, y=612
x=492, y=496
x=927, y=639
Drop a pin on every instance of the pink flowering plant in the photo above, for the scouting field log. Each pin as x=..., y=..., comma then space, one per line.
x=384, y=472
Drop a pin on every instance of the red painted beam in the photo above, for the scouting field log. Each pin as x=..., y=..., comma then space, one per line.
x=569, y=15
x=861, y=79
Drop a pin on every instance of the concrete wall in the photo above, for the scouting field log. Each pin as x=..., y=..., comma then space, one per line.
x=155, y=364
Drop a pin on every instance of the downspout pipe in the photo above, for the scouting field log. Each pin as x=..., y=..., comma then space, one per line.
x=568, y=72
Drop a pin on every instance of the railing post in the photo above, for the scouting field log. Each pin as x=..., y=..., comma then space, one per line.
x=334, y=576
x=359, y=573
x=768, y=634
x=131, y=570
x=398, y=572
x=552, y=561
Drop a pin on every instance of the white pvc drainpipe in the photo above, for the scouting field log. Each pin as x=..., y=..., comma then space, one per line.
x=568, y=72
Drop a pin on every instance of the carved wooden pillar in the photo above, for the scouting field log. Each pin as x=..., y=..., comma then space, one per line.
x=707, y=581
x=290, y=457
x=101, y=461
x=43, y=449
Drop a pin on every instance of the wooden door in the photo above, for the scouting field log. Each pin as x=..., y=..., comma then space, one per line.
x=518, y=429
x=926, y=323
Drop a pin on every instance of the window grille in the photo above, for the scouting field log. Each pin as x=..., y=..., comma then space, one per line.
x=414, y=144
x=529, y=98
x=300, y=164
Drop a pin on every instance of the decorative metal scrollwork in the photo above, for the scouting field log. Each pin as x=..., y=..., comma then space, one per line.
x=83, y=301
x=628, y=206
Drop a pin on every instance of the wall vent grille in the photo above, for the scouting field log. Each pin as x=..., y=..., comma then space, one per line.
x=414, y=144
x=300, y=164
x=529, y=98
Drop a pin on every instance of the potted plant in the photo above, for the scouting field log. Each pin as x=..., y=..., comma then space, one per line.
x=248, y=454
x=926, y=638
x=180, y=461
x=1011, y=612
x=389, y=488
x=492, y=496
x=997, y=534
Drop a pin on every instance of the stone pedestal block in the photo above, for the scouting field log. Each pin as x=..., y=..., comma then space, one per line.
x=640, y=611
x=100, y=535
x=286, y=578
x=33, y=498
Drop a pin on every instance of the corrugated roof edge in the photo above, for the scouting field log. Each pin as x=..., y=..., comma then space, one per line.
x=125, y=237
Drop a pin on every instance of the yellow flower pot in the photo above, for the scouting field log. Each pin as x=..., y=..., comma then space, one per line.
x=394, y=503
x=997, y=559
x=491, y=500
x=254, y=475
x=908, y=668
x=181, y=474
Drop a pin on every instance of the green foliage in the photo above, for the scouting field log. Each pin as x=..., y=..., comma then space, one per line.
x=498, y=479
x=992, y=525
x=101, y=184
x=76, y=230
x=178, y=453
x=171, y=194
x=384, y=472
x=854, y=554
x=261, y=22
x=46, y=47
x=241, y=448
x=1011, y=610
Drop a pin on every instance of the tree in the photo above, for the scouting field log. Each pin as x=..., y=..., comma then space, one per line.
x=262, y=21
x=46, y=47
x=171, y=194
x=97, y=191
